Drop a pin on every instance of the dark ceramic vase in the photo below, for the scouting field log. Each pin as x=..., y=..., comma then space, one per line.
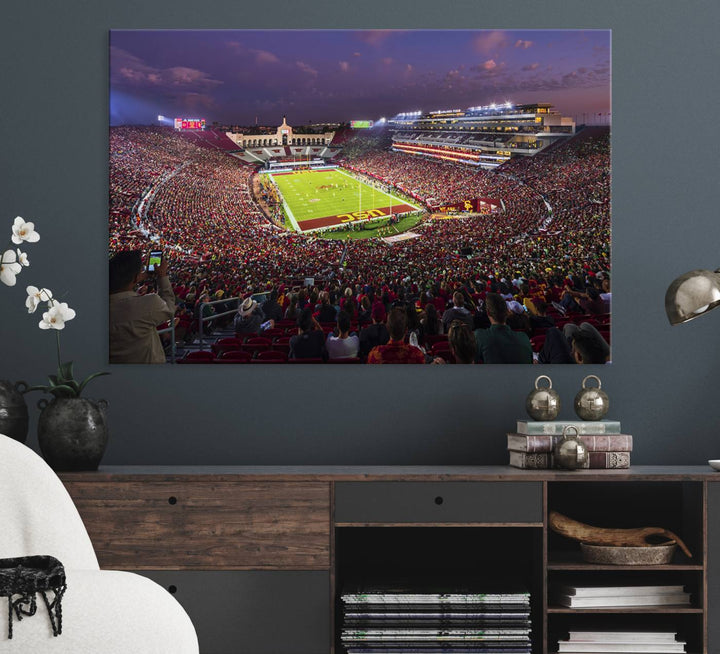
x=72, y=433
x=13, y=410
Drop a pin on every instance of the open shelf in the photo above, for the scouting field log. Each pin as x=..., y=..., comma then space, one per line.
x=572, y=560
x=626, y=609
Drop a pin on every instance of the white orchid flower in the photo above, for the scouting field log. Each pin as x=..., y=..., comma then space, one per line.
x=9, y=267
x=22, y=258
x=36, y=296
x=22, y=231
x=56, y=316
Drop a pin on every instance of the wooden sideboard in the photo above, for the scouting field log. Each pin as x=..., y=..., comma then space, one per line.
x=259, y=555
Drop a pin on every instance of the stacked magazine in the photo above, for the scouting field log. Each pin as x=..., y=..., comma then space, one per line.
x=392, y=621
x=600, y=642
x=584, y=597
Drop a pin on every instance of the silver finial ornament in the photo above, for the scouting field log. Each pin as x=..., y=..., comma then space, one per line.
x=570, y=452
x=543, y=403
x=591, y=403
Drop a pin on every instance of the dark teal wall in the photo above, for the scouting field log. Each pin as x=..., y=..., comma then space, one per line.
x=663, y=383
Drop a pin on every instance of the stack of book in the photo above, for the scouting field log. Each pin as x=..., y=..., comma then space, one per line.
x=531, y=446
x=384, y=621
x=583, y=597
x=597, y=642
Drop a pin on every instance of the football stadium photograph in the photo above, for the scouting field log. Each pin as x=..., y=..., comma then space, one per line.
x=360, y=197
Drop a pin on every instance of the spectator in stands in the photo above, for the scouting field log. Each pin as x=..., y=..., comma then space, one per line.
x=134, y=318
x=396, y=351
x=377, y=333
x=499, y=343
x=365, y=311
x=249, y=318
x=292, y=312
x=541, y=320
x=344, y=345
x=326, y=312
x=588, y=349
x=309, y=342
x=271, y=308
x=462, y=342
x=431, y=323
x=599, y=352
x=457, y=312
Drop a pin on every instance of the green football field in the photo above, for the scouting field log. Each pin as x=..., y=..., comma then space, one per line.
x=315, y=199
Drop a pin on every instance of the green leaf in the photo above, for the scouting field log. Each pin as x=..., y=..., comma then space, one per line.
x=45, y=389
x=63, y=391
x=65, y=371
x=87, y=380
x=53, y=380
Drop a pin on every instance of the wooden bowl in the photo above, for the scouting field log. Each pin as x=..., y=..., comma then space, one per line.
x=621, y=555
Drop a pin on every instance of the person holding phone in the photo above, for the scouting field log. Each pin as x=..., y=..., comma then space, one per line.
x=134, y=318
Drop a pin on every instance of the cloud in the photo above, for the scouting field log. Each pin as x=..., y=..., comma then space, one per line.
x=533, y=66
x=306, y=68
x=265, y=57
x=344, y=66
x=387, y=60
x=127, y=70
x=488, y=42
x=490, y=64
x=375, y=37
x=182, y=76
x=409, y=68
x=356, y=54
x=523, y=44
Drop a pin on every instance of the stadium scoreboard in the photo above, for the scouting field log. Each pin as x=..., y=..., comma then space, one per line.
x=361, y=124
x=189, y=123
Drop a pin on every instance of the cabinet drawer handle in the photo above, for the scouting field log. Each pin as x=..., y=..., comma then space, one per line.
x=172, y=589
x=439, y=500
x=172, y=500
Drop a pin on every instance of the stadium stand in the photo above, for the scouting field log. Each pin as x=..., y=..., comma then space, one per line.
x=188, y=197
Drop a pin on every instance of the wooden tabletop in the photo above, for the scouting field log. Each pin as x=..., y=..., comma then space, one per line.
x=391, y=473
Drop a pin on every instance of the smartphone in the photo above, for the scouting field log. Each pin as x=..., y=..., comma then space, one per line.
x=154, y=260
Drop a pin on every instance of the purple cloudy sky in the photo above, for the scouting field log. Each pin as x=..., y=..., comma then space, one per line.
x=331, y=75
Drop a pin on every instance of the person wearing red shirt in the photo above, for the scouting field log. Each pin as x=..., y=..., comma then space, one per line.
x=396, y=351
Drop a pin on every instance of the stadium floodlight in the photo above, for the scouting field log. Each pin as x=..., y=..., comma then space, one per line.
x=161, y=118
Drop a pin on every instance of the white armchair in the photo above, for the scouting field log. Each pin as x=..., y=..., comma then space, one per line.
x=104, y=612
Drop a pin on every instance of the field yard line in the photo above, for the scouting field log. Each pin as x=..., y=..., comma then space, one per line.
x=398, y=200
x=293, y=222
x=290, y=215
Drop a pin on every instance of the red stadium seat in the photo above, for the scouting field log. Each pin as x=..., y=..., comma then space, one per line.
x=431, y=339
x=270, y=356
x=537, y=342
x=200, y=356
x=234, y=356
x=254, y=348
x=225, y=344
x=273, y=333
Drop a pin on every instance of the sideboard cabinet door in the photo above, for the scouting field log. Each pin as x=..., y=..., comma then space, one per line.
x=258, y=612
x=152, y=525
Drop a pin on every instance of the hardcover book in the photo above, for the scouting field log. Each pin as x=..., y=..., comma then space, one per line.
x=555, y=427
x=595, y=461
x=546, y=442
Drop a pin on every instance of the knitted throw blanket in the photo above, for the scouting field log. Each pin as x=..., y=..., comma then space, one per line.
x=25, y=577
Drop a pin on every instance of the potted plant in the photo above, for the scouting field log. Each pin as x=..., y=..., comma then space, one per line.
x=72, y=430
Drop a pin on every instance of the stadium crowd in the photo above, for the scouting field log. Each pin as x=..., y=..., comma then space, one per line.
x=550, y=244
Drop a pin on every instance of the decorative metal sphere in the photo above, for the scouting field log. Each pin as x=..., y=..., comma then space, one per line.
x=570, y=453
x=543, y=403
x=591, y=403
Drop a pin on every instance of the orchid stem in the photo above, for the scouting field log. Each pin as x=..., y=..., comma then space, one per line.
x=57, y=333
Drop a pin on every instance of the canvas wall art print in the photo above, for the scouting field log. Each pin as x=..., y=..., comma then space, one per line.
x=436, y=197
